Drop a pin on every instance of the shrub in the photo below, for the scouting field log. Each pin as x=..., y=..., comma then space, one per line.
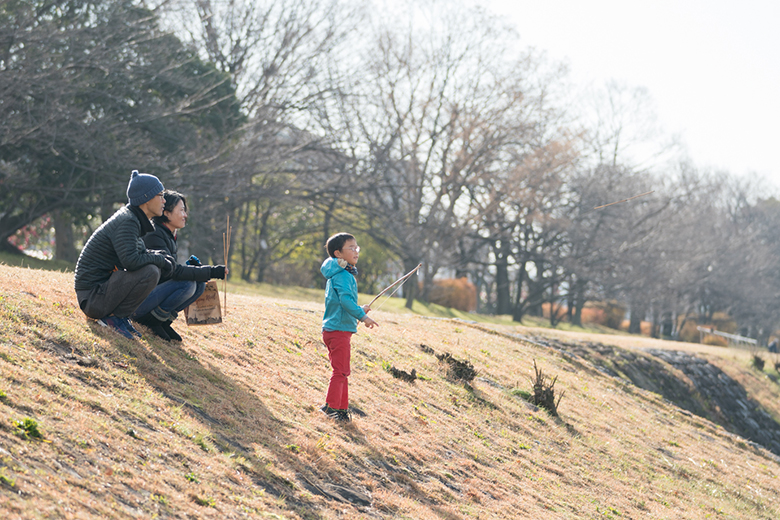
x=560, y=311
x=544, y=392
x=454, y=293
x=28, y=429
x=758, y=362
x=716, y=341
x=457, y=369
x=593, y=314
x=610, y=314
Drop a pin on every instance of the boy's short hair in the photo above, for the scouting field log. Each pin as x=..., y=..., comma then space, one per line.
x=336, y=242
x=172, y=198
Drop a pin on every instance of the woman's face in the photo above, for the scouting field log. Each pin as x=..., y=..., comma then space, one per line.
x=177, y=218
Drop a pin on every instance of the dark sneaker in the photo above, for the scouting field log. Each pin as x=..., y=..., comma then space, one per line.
x=130, y=328
x=335, y=413
x=116, y=324
x=330, y=412
x=166, y=325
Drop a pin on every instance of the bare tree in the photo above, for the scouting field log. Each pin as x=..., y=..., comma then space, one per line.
x=439, y=107
x=276, y=54
x=92, y=90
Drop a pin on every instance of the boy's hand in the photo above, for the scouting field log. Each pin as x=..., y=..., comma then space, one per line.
x=369, y=322
x=366, y=308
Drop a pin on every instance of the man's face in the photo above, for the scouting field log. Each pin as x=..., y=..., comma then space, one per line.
x=157, y=205
x=154, y=207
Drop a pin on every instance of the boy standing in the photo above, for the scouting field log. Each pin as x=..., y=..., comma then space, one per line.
x=115, y=272
x=342, y=313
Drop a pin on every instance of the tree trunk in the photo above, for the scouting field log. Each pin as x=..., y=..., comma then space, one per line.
x=410, y=286
x=519, y=308
x=63, y=238
x=637, y=314
x=503, y=298
x=579, y=303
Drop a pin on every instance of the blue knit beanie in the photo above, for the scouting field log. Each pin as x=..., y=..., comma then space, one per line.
x=142, y=188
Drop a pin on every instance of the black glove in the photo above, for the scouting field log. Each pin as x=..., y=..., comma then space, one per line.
x=168, y=268
x=193, y=260
x=218, y=271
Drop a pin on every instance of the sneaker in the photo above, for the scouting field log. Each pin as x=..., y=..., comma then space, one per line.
x=116, y=324
x=335, y=413
x=330, y=412
x=130, y=328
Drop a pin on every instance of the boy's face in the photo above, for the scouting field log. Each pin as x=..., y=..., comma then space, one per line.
x=349, y=252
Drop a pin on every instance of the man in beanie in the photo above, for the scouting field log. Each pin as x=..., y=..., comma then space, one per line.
x=115, y=272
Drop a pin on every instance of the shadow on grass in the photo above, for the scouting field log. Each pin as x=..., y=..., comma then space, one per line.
x=23, y=260
x=234, y=417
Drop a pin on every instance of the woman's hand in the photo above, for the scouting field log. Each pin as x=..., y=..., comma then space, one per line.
x=218, y=271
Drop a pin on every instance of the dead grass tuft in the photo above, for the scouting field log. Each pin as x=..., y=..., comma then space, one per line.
x=544, y=391
x=457, y=369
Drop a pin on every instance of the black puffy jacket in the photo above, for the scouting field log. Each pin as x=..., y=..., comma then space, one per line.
x=117, y=244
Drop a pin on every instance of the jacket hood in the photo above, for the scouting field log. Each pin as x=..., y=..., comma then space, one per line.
x=330, y=267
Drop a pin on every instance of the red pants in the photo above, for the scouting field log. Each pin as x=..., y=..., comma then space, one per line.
x=338, y=352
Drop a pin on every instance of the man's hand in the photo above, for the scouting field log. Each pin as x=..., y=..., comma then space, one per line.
x=166, y=272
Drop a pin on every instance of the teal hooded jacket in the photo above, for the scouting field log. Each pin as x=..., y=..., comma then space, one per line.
x=342, y=311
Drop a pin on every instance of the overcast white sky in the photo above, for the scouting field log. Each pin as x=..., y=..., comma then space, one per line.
x=712, y=67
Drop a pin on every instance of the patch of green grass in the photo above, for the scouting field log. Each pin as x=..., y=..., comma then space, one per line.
x=27, y=429
x=203, y=441
x=162, y=499
x=522, y=394
x=191, y=477
x=204, y=501
x=5, y=479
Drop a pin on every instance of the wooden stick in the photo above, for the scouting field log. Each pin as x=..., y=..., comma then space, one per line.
x=618, y=202
x=402, y=279
x=226, y=254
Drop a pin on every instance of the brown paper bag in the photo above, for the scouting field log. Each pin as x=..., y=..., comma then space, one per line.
x=206, y=309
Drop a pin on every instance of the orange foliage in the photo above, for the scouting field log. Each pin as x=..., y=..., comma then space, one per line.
x=454, y=293
x=645, y=327
x=560, y=311
x=610, y=314
x=593, y=315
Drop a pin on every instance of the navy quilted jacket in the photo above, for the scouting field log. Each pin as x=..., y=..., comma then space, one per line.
x=116, y=244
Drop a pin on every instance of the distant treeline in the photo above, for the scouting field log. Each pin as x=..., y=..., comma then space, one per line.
x=428, y=131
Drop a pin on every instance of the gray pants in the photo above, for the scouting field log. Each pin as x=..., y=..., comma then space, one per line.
x=121, y=294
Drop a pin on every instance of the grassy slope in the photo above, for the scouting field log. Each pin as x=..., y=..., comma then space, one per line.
x=226, y=425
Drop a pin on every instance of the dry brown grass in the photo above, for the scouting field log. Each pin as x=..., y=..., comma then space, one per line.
x=226, y=424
